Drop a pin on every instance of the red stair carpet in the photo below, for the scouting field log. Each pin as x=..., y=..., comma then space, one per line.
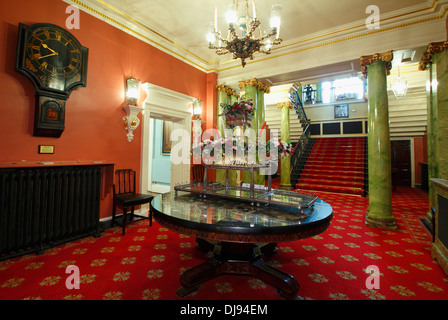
x=147, y=262
x=335, y=165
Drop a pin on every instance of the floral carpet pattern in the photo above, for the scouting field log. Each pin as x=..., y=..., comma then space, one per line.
x=147, y=262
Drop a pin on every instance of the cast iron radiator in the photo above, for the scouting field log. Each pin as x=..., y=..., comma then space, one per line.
x=44, y=207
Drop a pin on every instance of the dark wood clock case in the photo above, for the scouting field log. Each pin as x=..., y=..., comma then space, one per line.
x=56, y=63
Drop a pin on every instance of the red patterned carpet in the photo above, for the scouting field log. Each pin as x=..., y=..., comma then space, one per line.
x=147, y=262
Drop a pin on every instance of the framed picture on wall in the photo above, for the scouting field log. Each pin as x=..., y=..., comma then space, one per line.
x=167, y=128
x=341, y=111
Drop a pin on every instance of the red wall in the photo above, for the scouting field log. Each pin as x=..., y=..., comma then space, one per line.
x=94, y=129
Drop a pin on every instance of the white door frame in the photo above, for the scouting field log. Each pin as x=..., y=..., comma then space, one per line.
x=164, y=104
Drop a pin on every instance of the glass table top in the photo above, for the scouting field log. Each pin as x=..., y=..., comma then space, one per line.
x=212, y=212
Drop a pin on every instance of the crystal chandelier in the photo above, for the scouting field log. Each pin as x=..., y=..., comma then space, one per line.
x=244, y=37
x=400, y=87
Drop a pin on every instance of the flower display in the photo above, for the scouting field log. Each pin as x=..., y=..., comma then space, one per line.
x=208, y=147
x=238, y=110
x=283, y=148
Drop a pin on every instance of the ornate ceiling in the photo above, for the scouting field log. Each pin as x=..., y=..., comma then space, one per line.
x=321, y=38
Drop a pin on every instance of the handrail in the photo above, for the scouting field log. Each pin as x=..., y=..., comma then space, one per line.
x=299, y=147
x=294, y=98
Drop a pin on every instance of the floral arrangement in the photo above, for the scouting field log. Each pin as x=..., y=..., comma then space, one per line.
x=284, y=148
x=207, y=147
x=238, y=110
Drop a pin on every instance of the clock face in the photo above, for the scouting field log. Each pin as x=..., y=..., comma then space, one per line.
x=53, y=57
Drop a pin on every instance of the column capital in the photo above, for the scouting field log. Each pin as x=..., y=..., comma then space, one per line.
x=261, y=86
x=226, y=89
x=432, y=48
x=285, y=104
x=386, y=57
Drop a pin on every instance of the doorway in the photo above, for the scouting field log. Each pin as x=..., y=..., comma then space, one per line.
x=159, y=174
x=401, y=162
x=173, y=107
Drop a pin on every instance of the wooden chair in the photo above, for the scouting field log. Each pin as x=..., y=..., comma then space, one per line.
x=125, y=197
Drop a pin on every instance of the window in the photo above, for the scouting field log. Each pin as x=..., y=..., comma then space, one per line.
x=342, y=90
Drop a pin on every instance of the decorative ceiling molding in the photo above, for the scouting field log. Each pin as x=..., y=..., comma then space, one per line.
x=425, y=17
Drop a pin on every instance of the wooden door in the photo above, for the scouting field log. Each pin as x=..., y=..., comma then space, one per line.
x=401, y=162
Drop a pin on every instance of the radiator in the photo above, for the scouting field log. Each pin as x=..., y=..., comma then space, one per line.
x=44, y=207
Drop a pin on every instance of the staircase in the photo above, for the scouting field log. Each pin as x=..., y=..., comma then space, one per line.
x=273, y=120
x=335, y=165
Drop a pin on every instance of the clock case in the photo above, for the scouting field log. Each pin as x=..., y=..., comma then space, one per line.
x=50, y=103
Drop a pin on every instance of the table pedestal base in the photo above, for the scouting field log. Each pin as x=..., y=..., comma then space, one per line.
x=241, y=259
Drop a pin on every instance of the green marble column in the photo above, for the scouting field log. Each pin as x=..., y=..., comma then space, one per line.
x=225, y=95
x=250, y=93
x=431, y=137
x=285, y=162
x=379, y=213
x=261, y=90
x=440, y=120
x=435, y=62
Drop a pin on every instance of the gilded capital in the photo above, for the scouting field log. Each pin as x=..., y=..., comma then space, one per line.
x=434, y=47
x=286, y=104
x=226, y=89
x=386, y=57
x=261, y=86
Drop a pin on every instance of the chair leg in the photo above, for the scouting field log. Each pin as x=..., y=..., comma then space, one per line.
x=124, y=221
x=132, y=215
x=150, y=216
x=113, y=214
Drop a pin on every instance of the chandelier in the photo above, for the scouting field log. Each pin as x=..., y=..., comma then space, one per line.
x=400, y=87
x=244, y=37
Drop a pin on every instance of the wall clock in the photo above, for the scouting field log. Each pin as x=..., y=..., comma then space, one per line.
x=56, y=63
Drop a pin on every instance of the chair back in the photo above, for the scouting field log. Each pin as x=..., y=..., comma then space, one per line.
x=124, y=182
x=198, y=173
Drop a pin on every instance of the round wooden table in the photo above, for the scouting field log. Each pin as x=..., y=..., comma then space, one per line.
x=239, y=235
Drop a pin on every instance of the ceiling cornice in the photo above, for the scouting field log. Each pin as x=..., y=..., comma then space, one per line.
x=428, y=12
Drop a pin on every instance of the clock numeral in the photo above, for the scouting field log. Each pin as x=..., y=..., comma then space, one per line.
x=43, y=66
x=35, y=56
x=58, y=35
x=74, y=51
x=33, y=47
x=47, y=34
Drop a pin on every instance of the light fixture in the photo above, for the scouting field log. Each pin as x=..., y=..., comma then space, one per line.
x=197, y=109
x=244, y=37
x=131, y=120
x=400, y=87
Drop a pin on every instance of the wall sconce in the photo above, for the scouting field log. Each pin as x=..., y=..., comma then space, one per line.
x=197, y=109
x=131, y=120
